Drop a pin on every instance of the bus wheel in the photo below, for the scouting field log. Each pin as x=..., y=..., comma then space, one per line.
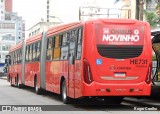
x=37, y=90
x=65, y=99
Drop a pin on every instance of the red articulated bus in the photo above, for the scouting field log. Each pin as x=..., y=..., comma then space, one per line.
x=97, y=58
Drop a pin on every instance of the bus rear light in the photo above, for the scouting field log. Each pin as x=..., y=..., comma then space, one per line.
x=148, y=77
x=87, y=72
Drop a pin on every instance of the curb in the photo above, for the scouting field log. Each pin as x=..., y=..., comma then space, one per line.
x=3, y=78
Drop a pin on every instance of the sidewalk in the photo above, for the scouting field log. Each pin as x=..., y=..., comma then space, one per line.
x=3, y=77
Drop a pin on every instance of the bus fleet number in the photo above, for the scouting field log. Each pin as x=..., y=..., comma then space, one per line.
x=138, y=61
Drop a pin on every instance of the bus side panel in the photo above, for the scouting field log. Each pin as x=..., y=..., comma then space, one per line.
x=78, y=79
x=14, y=74
x=27, y=75
x=32, y=70
x=19, y=73
x=53, y=71
x=63, y=73
x=56, y=75
x=49, y=76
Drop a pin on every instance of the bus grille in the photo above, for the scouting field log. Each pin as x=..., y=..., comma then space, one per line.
x=119, y=52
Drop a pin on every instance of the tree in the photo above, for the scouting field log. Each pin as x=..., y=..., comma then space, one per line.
x=139, y=8
x=158, y=9
x=151, y=18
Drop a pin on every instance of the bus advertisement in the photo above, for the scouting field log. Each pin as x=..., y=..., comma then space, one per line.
x=105, y=58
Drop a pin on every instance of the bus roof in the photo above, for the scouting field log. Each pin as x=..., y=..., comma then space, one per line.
x=62, y=27
x=34, y=38
x=15, y=47
x=115, y=21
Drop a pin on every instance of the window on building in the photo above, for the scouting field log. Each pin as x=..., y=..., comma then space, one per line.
x=3, y=48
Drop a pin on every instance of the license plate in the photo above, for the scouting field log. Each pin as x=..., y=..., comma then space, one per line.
x=119, y=74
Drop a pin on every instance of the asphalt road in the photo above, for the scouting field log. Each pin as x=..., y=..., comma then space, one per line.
x=13, y=96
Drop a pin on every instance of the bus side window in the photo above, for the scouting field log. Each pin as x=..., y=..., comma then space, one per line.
x=34, y=53
x=31, y=53
x=17, y=56
x=64, y=53
x=64, y=48
x=26, y=54
x=72, y=44
x=65, y=40
x=79, y=42
x=38, y=50
x=49, y=49
x=20, y=56
x=57, y=49
x=13, y=57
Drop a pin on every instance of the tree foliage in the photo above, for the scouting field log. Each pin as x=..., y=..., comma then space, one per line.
x=151, y=18
x=158, y=9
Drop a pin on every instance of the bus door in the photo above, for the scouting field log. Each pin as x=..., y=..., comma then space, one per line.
x=71, y=68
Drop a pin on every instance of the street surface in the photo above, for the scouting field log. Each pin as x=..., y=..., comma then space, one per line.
x=14, y=96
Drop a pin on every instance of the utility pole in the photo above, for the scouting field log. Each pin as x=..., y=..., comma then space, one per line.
x=141, y=3
x=137, y=9
x=48, y=9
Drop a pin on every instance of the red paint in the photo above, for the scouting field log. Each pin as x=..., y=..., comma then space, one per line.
x=104, y=74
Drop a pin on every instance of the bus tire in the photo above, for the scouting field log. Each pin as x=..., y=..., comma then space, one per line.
x=65, y=98
x=37, y=90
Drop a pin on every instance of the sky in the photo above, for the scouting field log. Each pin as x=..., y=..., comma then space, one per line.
x=32, y=11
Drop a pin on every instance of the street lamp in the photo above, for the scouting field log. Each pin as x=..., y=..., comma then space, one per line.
x=56, y=18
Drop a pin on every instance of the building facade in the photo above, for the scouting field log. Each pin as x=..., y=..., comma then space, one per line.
x=12, y=29
x=2, y=10
x=40, y=27
x=7, y=39
x=8, y=5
